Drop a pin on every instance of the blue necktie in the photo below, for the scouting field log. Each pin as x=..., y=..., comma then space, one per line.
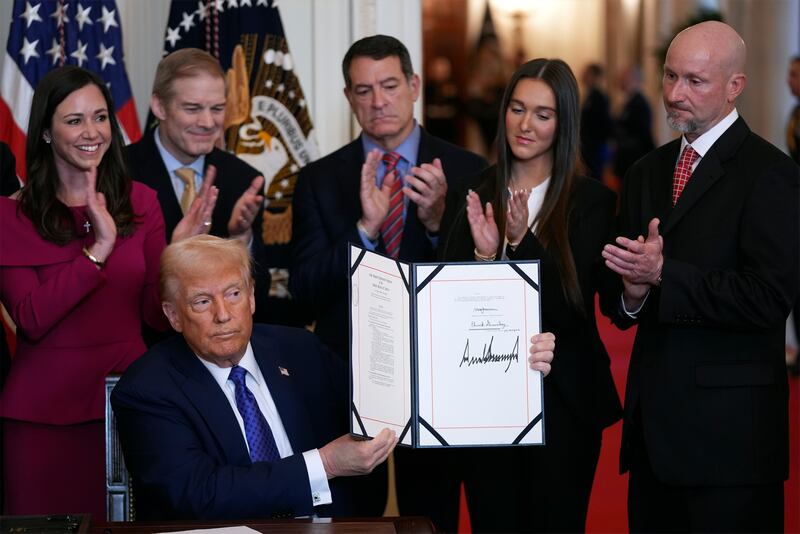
x=259, y=436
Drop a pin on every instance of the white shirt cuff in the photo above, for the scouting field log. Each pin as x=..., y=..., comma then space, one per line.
x=633, y=314
x=320, y=490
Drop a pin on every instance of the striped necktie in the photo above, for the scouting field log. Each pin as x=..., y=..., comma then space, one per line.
x=392, y=227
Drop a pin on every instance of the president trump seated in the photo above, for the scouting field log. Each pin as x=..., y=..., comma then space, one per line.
x=232, y=420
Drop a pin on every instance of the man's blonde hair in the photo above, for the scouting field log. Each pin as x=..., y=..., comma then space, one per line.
x=183, y=63
x=198, y=252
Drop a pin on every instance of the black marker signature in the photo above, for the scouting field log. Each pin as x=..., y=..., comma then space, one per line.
x=490, y=357
x=487, y=324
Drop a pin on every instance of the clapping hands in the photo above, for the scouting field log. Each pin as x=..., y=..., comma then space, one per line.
x=105, y=229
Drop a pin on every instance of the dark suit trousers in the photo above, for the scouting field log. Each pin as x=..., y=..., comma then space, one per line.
x=535, y=488
x=428, y=484
x=654, y=506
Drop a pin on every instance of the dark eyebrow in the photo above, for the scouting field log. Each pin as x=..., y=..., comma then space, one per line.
x=537, y=108
x=390, y=79
x=99, y=110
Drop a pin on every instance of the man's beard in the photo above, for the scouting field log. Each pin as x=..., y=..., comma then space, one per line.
x=685, y=127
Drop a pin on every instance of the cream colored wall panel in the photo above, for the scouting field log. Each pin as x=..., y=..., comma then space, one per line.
x=143, y=25
x=330, y=38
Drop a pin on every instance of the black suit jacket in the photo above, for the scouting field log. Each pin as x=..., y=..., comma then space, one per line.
x=185, y=450
x=707, y=369
x=581, y=367
x=326, y=207
x=233, y=178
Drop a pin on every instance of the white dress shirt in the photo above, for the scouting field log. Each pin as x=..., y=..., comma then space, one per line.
x=320, y=490
x=173, y=165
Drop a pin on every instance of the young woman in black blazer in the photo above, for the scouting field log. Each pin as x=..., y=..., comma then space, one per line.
x=534, y=204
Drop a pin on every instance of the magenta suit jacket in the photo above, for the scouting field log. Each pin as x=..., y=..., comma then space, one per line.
x=75, y=323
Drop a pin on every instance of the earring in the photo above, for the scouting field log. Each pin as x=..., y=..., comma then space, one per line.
x=47, y=139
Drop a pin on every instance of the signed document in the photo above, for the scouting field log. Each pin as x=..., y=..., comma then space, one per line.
x=439, y=352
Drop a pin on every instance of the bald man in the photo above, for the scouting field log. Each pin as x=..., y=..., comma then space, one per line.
x=708, y=263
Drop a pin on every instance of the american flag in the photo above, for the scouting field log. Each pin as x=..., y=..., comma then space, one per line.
x=46, y=34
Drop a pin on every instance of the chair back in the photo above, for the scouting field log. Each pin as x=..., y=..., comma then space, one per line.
x=119, y=494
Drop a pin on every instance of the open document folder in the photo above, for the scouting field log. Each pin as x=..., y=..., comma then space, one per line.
x=439, y=351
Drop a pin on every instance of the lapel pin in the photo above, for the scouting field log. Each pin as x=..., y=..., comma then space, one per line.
x=283, y=370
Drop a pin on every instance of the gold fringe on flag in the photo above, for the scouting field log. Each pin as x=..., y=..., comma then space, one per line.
x=276, y=228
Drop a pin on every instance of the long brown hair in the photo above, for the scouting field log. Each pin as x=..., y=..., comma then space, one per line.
x=552, y=220
x=38, y=199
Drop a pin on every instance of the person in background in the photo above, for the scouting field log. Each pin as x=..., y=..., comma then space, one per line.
x=596, y=125
x=633, y=133
x=534, y=204
x=442, y=102
x=78, y=273
x=385, y=191
x=707, y=255
x=484, y=89
x=231, y=420
x=180, y=155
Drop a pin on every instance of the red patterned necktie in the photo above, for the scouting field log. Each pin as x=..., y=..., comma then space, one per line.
x=683, y=171
x=392, y=227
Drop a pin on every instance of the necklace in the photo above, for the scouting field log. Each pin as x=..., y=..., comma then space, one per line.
x=87, y=225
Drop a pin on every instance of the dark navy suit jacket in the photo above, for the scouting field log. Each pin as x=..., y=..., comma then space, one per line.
x=185, y=450
x=326, y=207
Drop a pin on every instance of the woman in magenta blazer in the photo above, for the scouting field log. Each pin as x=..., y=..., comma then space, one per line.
x=79, y=252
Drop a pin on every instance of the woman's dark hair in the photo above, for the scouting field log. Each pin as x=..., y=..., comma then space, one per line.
x=37, y=199
x=552, y=219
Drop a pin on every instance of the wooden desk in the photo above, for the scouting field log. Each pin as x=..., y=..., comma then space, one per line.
x=379, y=525
x=45, y=523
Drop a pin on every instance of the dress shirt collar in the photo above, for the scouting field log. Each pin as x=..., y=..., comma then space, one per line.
x=248, y=362
x=172, y=164
x=703, y=144
x=408, y=149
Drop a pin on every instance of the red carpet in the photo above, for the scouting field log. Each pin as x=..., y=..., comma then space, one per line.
x=608, y=508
